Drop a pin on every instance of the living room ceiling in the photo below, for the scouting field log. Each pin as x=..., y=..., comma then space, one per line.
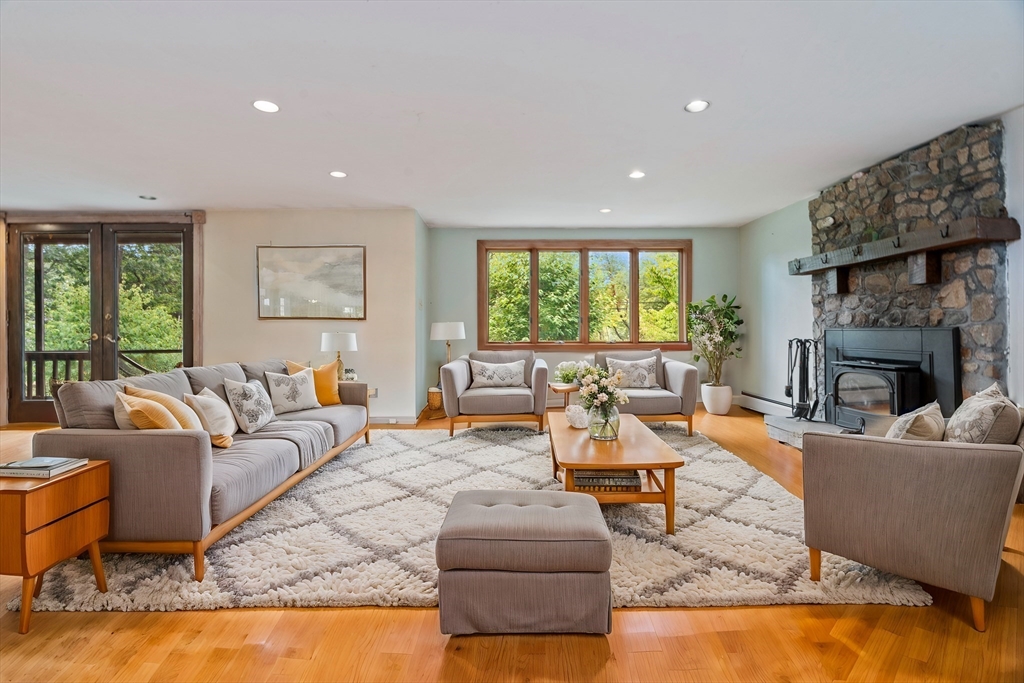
x=484, y=114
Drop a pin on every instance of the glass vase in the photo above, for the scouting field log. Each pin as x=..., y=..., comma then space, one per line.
x=604, y=422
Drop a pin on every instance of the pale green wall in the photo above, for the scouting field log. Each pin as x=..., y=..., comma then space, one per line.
x=776, y=305
x=453, y=274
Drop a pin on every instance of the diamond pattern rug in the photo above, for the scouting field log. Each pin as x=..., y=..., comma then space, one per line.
x=361, y=531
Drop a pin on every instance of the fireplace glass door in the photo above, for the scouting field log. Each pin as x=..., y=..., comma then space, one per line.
x=864, y=391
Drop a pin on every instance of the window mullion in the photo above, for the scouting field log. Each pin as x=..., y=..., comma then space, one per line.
x=634, y=296
x=584, y=296
x=534, y=306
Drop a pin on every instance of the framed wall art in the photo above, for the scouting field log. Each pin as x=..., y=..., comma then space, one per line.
x=317, y=282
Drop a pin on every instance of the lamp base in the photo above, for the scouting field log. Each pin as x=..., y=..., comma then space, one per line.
x=341, y=367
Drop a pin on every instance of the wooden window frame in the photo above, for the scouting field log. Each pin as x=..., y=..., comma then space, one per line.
x=584, y=247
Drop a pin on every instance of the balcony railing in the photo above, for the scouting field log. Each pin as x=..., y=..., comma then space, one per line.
x=43, y=368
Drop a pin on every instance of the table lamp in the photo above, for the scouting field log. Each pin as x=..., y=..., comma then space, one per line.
x=447, y=332
x=338, y=342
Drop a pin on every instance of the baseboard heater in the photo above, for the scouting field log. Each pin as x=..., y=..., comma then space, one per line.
x=765, y=398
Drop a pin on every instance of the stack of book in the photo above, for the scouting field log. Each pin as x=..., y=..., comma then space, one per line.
x=607, y=481
x=41, y=468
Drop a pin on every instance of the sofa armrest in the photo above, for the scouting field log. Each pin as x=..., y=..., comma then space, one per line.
x=936, y=512
x=354, y=393
x=455, y=379
x=683, y=380
x=160, y=479
x=539, y=384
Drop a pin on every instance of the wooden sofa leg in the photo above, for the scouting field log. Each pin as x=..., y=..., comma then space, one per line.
x=689, y=425
x=815, y=564
x=978, y=612
x=367, y=435
x=451, y=426
x=197, y=559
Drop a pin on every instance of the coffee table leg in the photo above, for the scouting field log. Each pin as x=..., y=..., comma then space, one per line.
x=570, y=483
x=670, y=501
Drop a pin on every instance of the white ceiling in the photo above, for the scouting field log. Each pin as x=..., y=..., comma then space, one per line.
x=488, y=113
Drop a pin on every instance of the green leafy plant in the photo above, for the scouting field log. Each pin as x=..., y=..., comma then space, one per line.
x=713, y=328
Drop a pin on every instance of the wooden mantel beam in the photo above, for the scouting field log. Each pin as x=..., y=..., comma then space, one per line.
x=959, y=233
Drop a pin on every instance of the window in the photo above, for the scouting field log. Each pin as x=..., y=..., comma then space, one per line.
x=551, y=294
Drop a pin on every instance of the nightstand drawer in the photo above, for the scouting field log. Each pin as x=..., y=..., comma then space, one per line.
x=51, y=544
x=63, y=495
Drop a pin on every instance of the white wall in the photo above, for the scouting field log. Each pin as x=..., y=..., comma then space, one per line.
x=387, y=339
x=1013, y=166
x=777, y=305
x=453, y=283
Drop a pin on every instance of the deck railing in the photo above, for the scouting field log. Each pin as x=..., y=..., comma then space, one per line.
x=42, y=368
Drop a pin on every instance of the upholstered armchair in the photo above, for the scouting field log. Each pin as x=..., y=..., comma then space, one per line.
x=675, y=397
x=932, y=511
x=465, y=404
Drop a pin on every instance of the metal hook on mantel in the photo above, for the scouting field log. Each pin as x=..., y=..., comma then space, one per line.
x=824, y=259
x=858, y=250
x=944, y=233
x=896, y=242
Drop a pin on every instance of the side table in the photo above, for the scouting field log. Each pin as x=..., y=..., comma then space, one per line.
x=564, y=389
x=46, y=521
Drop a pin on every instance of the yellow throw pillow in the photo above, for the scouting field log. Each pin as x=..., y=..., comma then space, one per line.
x=147, y=414
x=185, y=416
x=325, y=381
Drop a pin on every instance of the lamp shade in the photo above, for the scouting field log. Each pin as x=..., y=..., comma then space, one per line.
x=338, y=341
x=446, y=331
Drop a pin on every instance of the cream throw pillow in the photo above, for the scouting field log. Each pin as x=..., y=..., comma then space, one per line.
x=498, y=374
x=636, y=374
x=986, y=417
x=325, y=380
x=290, y=393
x=923, y=424
x=249, y=403
x=147, y=414
x=216, y=416
x=185, y=416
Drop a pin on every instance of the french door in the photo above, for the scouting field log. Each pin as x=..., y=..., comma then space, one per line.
x=94, y=301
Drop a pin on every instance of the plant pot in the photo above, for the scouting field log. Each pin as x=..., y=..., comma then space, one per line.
x=717, y=400
x=604, y=423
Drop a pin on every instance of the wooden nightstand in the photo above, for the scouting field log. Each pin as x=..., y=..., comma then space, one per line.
x=46, y=521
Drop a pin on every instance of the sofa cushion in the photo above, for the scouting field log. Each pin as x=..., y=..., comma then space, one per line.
x=312, y=439
x=497, y=374
x=524, y=531
x=258, y=371
x=636, y=374
x=90, y=405
x=508, y=357
x=212, y=377
x=248, y=471
x=986, y=417
x=923, y=424
x=345, y=420
x=651, y=402
x=601, y=360
x=500, y=401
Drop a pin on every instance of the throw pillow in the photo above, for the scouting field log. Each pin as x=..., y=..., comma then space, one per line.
x=121, y=417
x=923, y=424
x=147, y=414
x=292, y=392
x=185, y=416
x=216, y=416
x=637, y=374
x=249, y=404
x=498, y=374
x=986, y=417
x=325, y=381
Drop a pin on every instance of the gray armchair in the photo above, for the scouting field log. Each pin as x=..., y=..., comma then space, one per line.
x=464, y=404
x=675, y=397
x=931, y=511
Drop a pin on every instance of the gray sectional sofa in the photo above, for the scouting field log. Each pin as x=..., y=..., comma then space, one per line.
x=171, y=491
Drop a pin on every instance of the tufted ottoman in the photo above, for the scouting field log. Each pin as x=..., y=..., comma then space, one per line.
x=524, y=562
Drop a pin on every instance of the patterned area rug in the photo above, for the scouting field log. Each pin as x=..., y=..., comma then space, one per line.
x=361, y=532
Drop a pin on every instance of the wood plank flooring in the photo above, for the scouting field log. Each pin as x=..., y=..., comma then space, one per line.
x=777, y=643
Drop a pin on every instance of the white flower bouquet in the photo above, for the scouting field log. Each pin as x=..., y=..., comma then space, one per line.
x=566, y=372
x=598, y=388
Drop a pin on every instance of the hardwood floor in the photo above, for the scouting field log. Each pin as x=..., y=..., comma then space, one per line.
x=776, y=643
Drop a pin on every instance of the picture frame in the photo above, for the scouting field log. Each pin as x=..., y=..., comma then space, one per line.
x=317, y=282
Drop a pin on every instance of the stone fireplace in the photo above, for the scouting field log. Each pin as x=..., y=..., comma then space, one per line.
x=957, y=175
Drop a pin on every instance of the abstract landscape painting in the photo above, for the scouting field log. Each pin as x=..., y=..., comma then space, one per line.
x=312, y=282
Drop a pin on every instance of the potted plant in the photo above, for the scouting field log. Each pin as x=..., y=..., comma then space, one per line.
x=567, y=372
x=599, y=395
x=713, y=331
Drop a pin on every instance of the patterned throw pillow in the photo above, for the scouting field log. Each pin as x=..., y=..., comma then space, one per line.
x=216, y=416
x=498, y=374
x=292, y=392
x=249, y=403
x=325, y=381
x=986, y=417
x=636, y=374
x=923, y=424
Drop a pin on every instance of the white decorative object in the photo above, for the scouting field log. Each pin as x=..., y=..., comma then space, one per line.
x=716, y=399
x=576, y=416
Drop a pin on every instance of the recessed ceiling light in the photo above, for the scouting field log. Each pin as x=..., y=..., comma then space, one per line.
x=637, y=174
x=605, y=210
x=338, y=174
x=697, y=106
x=265, y=106
x=147, y=197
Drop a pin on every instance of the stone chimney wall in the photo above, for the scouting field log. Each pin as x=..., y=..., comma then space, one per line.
x=957, y=175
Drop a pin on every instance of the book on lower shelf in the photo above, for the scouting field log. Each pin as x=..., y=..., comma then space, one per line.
x=41, y=468
x=607, y=481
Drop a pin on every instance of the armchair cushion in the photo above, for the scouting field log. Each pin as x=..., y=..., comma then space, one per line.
x=601, y=360
x=636, y=374
x=498, y=374
x=496, y=401
x=508, y=357
x=651, y=402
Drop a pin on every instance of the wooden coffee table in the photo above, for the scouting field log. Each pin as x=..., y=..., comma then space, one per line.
x=637, y=448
